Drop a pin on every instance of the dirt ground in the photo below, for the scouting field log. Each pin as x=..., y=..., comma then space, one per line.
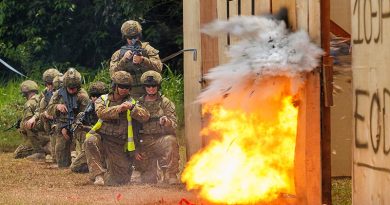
x=27, y=182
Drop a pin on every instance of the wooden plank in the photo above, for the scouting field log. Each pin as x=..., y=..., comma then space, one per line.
x=291, y=6
x=327, y=99
x=313, y=150
x=307, y=151
x=303, y=14
x=371, y=103
x=192, y=73
x=210, y=55
x=246, y=7
x=234, y=9
x=262, y=7
x=222, y=39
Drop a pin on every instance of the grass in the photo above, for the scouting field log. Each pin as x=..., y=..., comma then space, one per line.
x=11, y=105
x=341, y=191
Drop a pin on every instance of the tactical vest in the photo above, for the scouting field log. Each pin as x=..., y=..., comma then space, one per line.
x=152, y=126
x=129, y=146
x=136, y=72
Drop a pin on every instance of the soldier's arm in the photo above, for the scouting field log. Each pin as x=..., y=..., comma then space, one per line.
x=106, y=113
x=152, y=60
x=140, y=114
x=52, y=106
x=82, y=99
x=117, y=63
x=169, y=111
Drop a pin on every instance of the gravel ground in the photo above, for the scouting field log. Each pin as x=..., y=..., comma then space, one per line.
x=27, y=182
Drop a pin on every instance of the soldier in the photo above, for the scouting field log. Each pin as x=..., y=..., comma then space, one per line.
x=44, y=117
x=158, y=142
x=29, y=90
x=84, y=122
x=110, y=142
x=135, y=57
x=48, y=77
x=65, y=104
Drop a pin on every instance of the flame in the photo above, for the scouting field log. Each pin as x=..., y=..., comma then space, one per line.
x=251, y=156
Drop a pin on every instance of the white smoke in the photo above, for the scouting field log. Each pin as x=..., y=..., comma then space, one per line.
x=266, y=49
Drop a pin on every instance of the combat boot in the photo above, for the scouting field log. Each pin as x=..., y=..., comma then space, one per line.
x=99, y=181
x=36, y=157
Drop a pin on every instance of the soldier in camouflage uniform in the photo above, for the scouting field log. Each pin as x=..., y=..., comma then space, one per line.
x=158, y=142
x=135, y=61
x=57, y=84
x=28, y=129
x=110, y=143
x=84, y=122
x=65, y=104
x=46, y=119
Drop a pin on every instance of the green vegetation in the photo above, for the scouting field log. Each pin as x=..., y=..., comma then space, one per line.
x=341, y=191
x=11, y=106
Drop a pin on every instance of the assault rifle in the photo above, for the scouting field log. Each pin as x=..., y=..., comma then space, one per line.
x=16, y=125
x=84, y=115
x=135, y=48
x=71, y=105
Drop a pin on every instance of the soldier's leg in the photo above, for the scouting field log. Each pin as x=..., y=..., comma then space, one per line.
x=63, y=157
x=22, y=151
x=168, y=150
x=95, y=156
x=119, y=163
x=148, y=164
x=25, y=149
x=79, y=165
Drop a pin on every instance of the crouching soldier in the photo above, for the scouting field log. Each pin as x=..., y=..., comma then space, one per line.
x=46, y=119
x=84, y=122
x=35, y=142
x=158, y=142
x=110, y=143
x=65, y=104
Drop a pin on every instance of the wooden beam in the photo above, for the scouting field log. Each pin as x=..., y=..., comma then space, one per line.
x=192, y=73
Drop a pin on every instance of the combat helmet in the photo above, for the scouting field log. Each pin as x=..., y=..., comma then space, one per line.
x=122, y=78
x=72, y=78
x=151, y=78
x=97, y=88
x=58, y=81
x=28, y=86
x=130, y=29
x=49, y=75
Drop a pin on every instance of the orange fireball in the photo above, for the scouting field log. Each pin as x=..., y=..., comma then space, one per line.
x=250, y=156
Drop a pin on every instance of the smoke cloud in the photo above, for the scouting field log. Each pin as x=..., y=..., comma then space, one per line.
x=267, y=49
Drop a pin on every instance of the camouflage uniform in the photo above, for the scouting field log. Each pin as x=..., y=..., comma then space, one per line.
x=158, y=143
x=48, y=77
x=85, y=120
x=151, y=60
x=72, y=78
x=35, y=142
x=107, y=143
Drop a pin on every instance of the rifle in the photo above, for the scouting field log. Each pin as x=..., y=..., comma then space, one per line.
x=15, y=125
x=71, y=105
x=83, y=119
x=135, y=48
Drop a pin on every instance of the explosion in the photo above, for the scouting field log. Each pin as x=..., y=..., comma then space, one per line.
x=251, y=113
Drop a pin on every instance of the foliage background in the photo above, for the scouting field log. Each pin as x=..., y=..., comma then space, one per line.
x=38, y=34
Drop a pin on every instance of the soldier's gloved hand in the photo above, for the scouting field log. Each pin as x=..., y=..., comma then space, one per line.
x=164, y=121
x=64, y=133
x=62, y=108
x=137, y=59
x=128, y=55
x=30, y=123
x=47, y=116
x=125, y=106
